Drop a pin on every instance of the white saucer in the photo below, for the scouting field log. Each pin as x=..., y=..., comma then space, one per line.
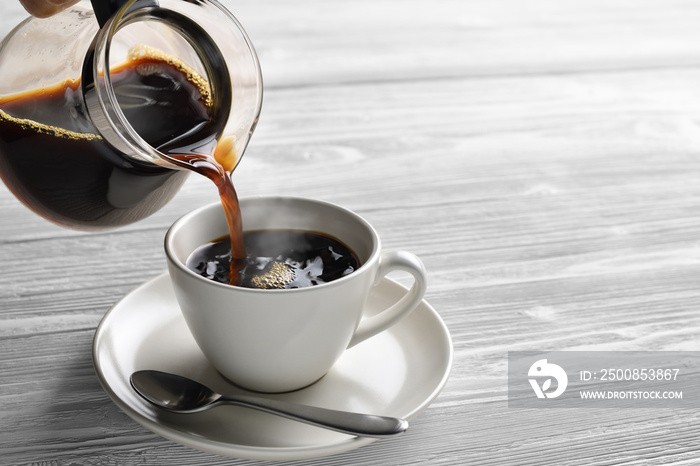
x=396, y=373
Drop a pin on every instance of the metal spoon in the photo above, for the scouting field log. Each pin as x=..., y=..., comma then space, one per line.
x=182, y=395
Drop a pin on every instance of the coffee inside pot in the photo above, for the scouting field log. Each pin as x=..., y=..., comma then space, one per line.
x=99, y=124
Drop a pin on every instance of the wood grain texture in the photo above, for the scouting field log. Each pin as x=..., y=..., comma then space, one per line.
x=541, y=157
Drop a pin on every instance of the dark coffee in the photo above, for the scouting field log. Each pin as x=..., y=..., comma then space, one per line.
x=277, y=259
x=53, y=160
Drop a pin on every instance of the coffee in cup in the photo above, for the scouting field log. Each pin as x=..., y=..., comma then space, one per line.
x=276, y=259
x=278, y=340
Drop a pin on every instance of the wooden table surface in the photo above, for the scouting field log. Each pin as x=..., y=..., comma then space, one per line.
x=541, y=157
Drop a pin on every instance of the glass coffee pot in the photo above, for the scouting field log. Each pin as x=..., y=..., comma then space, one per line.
x=103, y=105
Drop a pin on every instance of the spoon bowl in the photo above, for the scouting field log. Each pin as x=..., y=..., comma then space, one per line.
x=173, y=392
x=182, y=395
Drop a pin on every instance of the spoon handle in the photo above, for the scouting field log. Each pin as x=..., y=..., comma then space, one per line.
x=364, y=425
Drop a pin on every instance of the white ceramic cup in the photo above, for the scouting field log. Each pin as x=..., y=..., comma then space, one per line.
x=284, y=339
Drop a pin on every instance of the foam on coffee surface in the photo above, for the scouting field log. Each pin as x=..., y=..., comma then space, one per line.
x=32, y=125
x=146, y=52
x=152, y=60
x=277, y=277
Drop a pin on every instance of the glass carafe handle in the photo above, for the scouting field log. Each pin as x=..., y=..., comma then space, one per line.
x=104, y=9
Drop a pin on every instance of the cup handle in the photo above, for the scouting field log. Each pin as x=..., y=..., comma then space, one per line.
x=390, y=261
